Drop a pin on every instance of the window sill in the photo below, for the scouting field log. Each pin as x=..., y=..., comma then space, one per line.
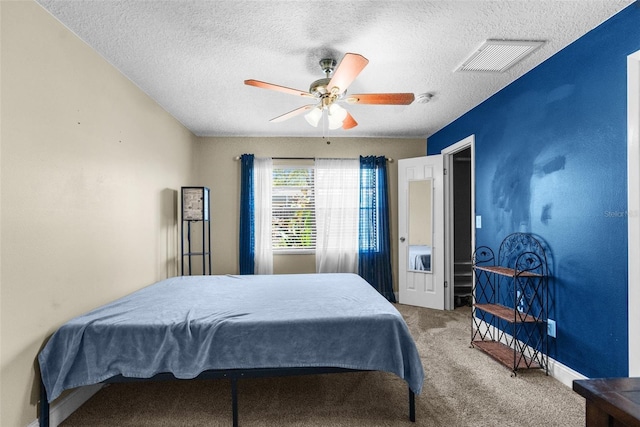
x=294, y=252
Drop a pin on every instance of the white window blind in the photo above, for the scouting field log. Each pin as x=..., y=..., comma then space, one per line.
x=293, y=205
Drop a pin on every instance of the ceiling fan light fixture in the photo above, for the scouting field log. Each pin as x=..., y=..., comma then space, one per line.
x=337, y=112
x=313, y=117
x=336, y=115
x=334, y=124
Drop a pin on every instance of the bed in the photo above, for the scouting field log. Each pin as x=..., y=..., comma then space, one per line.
x=232, y=327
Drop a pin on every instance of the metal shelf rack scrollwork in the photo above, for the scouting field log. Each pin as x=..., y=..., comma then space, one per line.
x=510, y=303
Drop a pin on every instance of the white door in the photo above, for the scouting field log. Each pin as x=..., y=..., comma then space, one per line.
x=421, y=231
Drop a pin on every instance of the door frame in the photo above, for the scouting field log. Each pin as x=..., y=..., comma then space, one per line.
x=448, y=190
x=633, y=209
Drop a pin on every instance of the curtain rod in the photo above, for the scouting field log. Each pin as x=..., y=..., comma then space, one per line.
x=389, y=159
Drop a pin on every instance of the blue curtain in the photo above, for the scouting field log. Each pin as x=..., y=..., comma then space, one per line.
x=247, y=215
x=374, y=256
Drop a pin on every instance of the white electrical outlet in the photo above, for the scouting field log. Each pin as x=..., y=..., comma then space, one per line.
x=478, y=221
x=551, y=328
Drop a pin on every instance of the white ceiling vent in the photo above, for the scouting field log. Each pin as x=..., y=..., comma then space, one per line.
x=497, y=56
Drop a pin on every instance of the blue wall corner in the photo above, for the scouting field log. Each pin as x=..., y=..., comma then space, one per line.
x=551, y=160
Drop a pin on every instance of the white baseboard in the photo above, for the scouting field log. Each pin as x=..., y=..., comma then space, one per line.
x=563, y=373
x=62, y=408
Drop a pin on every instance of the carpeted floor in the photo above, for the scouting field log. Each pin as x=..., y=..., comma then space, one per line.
x=463, y=387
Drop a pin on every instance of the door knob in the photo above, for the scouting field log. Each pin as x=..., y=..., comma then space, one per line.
x=402, y=239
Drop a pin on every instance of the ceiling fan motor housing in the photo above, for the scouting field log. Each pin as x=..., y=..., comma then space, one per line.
x=319, y=87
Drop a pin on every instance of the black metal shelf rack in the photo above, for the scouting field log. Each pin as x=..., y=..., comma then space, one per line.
x=510, y=303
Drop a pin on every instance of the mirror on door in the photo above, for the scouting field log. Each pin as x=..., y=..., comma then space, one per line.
x=420, y=227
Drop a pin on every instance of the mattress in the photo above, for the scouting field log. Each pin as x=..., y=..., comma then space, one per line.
x=192, y=324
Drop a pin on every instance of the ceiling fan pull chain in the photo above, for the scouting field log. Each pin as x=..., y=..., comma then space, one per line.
x=325, y=119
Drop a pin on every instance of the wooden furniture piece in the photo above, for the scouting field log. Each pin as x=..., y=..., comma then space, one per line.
x=510, y=300
x=611, y=402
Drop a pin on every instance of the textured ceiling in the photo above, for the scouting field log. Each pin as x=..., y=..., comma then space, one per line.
x=192, y=56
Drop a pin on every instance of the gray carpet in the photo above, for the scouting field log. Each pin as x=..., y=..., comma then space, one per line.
x=463, y=387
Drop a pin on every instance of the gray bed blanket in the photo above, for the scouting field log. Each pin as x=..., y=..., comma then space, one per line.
x=187, y=325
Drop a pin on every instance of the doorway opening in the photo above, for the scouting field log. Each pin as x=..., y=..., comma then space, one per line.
x=459, y=222
x=461, y=197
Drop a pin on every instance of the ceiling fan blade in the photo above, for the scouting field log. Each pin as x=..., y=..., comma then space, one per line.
x=348, y=69
x=349, y=122
x=381, y=98
x=293, y=113
x=271, y=86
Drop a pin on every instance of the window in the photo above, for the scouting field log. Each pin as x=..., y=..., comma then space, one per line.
x=293, y=205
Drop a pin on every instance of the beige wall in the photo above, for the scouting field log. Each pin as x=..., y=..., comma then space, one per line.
x=218, y=170
x=90, y=172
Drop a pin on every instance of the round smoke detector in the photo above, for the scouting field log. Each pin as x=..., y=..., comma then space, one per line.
x=424, y=98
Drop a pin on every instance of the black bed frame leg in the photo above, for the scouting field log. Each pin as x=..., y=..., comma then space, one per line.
x=44, y=406
x=412, y=406
x=234, y=400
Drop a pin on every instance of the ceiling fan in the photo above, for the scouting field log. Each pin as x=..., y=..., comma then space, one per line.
x=328, y=92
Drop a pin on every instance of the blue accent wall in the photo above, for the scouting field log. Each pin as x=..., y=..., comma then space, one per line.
x=551, y=159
